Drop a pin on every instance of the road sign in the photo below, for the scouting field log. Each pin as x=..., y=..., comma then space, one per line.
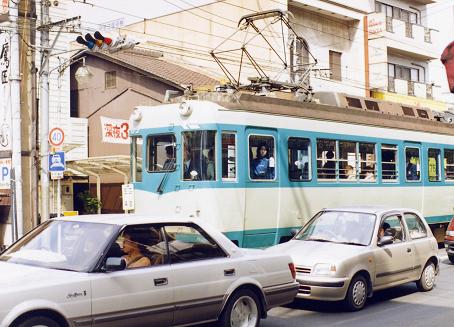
x=127, y=191
x=56, y=136
x=56, y=175
x=5, y=173
x=57, y=161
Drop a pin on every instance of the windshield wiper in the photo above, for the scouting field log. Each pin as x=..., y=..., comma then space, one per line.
x=317, y=240
x=351, y=243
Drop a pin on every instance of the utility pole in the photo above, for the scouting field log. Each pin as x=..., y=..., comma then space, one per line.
x=15, y=79
x=44, y=111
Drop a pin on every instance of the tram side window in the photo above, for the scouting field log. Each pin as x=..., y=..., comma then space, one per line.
x=347, y=161
x=326, y=159
x=412, y=164
x=299, y=166
x=389, y=162
x=261, y=157
x=161, y=153
x=228, y=156
x=199, y=159
x=449, y=165
x=367, y=162
x=136, y=158
x=434, y=165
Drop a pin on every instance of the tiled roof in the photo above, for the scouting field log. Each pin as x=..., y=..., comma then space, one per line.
x=148, y=62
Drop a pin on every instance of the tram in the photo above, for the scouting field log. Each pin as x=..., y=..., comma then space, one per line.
x=257, y=167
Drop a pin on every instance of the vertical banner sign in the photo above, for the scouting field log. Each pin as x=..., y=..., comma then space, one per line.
x=115, y=130
x=5, y=93
x=127, y=192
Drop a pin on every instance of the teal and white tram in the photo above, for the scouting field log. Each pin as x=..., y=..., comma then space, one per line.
x=257, y=167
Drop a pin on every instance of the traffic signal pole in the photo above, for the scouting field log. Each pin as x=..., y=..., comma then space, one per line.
x=44, y=112
x=16, y=157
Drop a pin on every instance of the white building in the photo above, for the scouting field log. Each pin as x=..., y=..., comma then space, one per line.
x=441, y=17
x=382, y=48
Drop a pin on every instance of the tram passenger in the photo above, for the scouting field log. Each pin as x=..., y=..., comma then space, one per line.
x=329, y=168
x=350, y=173
x=169, y=164
x=411, y=170
x=210, y=165
x=369, y=173
x=262, y=167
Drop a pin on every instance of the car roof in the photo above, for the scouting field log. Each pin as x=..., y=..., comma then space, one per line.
x=370, y=209
x=129, y=219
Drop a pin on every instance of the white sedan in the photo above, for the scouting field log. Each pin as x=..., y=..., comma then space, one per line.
x=131, y=270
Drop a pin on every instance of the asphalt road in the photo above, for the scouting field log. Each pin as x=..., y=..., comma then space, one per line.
x=399, y=306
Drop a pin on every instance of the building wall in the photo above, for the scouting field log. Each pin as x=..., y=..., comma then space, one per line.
x=132, y=89
x=324, y=33
x=441, y=17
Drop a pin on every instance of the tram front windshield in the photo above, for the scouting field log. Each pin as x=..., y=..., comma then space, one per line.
x=339, y=227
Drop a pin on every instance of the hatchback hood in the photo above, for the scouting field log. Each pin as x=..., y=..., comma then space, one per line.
x=309, y=253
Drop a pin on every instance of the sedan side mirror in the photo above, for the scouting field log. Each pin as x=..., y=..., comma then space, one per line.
x=385, y=240
x=115, y=264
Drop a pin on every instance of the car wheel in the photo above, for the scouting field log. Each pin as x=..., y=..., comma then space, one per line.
x=427, y=280
x=451, y=258
x=39, y=321
x=242, y=310
x=356, y=294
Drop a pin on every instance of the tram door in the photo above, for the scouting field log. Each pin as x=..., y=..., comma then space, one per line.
x=262, y=188
x=413, y=158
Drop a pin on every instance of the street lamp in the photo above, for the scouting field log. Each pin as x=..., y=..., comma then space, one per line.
x=82, y=74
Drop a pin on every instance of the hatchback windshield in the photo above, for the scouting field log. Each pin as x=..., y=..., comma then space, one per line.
x=339, y=227
x=66, y=245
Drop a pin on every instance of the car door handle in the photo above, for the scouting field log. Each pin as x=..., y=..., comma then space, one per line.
x=160, y=281
x=408, y=250
x=229, y=272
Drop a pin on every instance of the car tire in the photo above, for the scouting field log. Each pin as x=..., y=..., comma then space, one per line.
x=356, y=294
x=427, y=280
x=40, y=321
x=451, y=258
x=242, y=309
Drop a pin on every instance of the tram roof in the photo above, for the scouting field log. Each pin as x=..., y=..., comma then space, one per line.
x=286, y=105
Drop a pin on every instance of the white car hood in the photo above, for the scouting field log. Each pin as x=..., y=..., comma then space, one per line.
x=309, y=253
x=18, y=276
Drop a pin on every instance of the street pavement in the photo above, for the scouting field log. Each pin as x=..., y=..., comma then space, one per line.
x=399, y=306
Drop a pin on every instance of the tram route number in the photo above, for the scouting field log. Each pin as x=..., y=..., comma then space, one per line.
x=56, y=136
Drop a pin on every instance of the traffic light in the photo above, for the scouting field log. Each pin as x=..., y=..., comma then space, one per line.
x=98, y=42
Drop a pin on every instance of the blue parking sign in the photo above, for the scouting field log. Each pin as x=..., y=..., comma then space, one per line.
x=57, y=161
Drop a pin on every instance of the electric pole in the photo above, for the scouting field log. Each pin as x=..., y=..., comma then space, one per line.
x=44, y=110
x=15, y=79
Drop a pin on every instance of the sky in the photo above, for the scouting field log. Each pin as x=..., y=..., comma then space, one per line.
x=112, y=13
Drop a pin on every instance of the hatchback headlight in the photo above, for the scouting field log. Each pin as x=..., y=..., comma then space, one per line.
x=324, y=269
x=450, y=233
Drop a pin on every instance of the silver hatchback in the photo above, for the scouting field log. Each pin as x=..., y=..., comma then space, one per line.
x=347, y=253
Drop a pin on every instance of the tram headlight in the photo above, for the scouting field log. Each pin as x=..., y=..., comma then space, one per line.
x=136, y=116
x=185, y=109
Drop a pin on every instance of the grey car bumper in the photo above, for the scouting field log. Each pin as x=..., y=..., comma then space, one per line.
x=322, y=288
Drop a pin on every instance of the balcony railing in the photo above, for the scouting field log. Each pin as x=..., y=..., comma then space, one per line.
x=411, y=88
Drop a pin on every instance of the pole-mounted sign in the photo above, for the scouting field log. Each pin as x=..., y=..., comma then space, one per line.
x=56, y=136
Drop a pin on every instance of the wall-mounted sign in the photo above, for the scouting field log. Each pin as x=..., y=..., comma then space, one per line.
x=115, y=130
x=5, y=94
x=376, y=25
x=127, y=192
x=5, y=174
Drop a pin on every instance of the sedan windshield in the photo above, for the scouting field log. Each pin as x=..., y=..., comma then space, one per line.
x=339, y=227
x=65, y=245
